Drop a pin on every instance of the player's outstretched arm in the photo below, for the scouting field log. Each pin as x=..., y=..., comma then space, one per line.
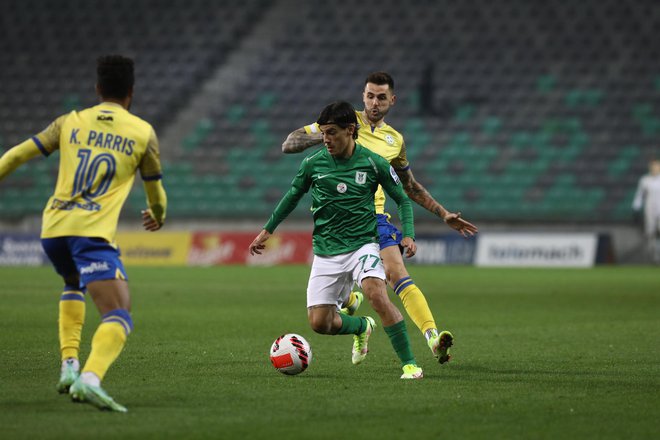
x=299, y=140
x=17, y=156
x=423, y=198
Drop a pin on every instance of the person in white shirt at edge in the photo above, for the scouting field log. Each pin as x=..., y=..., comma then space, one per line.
x=647, y=198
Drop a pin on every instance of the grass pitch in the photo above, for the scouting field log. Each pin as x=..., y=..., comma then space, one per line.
x=541, y=354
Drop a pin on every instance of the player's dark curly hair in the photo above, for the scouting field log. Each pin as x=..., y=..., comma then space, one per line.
x=340, y=113
x=115, y=76
x=380, y=79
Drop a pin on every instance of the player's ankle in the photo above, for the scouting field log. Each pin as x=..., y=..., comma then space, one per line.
x=430, y=333
x=91, y=379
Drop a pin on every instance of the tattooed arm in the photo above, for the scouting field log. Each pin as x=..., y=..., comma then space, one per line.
x=418, y=194
x=299, y=140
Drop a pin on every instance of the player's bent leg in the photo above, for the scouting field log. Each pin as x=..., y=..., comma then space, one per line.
x=70, y=322
x=324, y=319
x=393, y=322
x=376, y=293
x=108, y=341
x=400, y=341
x=411, y=296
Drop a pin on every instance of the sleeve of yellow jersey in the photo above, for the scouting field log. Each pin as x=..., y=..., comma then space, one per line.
x=150, y=170
x=312, y=128
x=43, y=143
x=400, y=163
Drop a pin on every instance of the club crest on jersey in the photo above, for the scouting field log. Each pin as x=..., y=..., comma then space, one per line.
x=361, y=177
x=389, y=139
x=341, y=188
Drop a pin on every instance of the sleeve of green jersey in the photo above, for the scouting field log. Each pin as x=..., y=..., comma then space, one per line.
x=392, y=186
x=289, y=201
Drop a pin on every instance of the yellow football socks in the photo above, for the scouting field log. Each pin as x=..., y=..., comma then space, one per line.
x=415, y=304
x=108, y=341
x=70, y=322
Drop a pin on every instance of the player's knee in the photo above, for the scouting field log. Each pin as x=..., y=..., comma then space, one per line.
x=376, y=294
x=320, y=325
x=396, y=273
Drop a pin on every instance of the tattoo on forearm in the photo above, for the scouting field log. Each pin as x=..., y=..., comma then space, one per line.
x=422, y=197
x=298, y=141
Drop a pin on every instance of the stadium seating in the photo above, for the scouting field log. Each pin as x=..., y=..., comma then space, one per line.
x=49, y=49
x=525, y=110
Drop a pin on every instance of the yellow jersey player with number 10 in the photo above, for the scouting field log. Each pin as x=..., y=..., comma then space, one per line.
x=97, y=168
x=101, y=148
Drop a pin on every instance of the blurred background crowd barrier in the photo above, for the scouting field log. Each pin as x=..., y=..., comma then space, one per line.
x=525, y=115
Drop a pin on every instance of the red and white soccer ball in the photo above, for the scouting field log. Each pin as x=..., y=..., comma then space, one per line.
x=290, y=354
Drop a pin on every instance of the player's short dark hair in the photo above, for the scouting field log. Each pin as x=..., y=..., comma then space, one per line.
x=115, y=76
x=380, y=79
x=340, y=113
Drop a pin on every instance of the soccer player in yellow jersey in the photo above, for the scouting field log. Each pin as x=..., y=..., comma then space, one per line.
x=101, y=148
x=376, y=135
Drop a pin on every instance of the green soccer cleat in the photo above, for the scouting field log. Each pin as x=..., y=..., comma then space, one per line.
x=81, y=392
x=411, y=371
x=440, y=344
x=360, y=348
x=359, y=297
x=68, y=376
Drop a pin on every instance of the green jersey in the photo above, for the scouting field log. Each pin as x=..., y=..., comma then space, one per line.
x=343, y=199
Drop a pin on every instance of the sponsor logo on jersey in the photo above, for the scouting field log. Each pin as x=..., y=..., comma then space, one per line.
x=389, y=139
x=361, y=177
x=341, y=188
x=97, y=266
x=104, y=118
x=68, y=205
x=394, y=175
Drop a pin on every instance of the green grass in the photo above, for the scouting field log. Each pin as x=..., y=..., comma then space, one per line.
x=571, y=354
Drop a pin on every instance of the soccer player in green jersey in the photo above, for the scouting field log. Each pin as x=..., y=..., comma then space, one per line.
x=101, y=148
x=378, y=97
x=343, y=178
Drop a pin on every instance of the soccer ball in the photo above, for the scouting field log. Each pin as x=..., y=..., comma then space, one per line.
x=290, y=354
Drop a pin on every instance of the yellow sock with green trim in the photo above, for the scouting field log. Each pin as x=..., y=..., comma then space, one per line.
x=108, y=341
x=70, y=322
x=415, y=304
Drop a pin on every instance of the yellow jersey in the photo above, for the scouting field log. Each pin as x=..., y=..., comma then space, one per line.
x=382, y=140
x=101, y=148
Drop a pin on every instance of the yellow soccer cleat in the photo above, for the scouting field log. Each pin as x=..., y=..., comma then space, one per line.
x=440, y=344
x=353, y=306
x=411, y=371
x=360, y=348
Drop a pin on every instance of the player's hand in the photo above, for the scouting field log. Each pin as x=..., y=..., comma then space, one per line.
x=258, y=243
x=464, y=227
x=149, y=222
x=409, y=246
